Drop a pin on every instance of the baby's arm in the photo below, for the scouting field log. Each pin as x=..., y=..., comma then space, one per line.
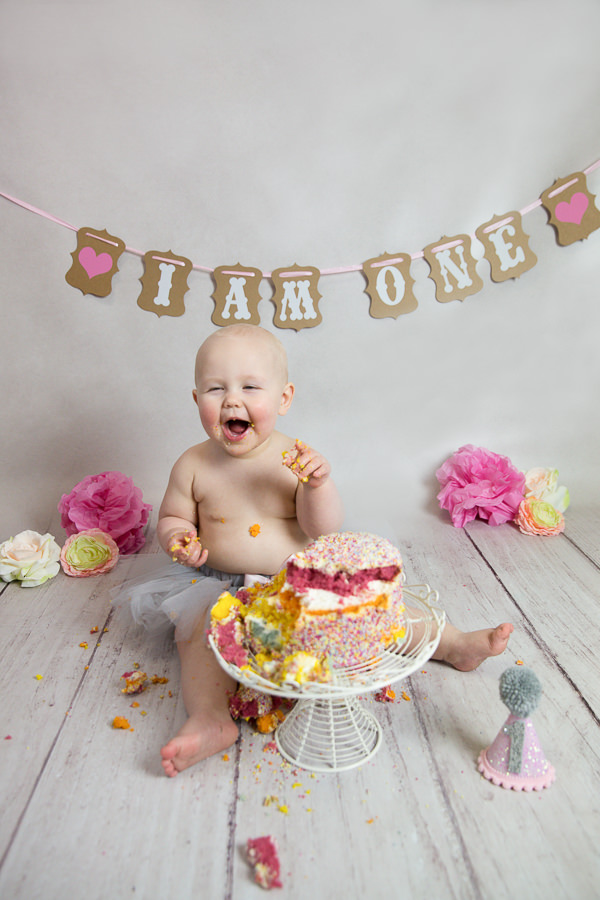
x=178, y=517
x=319, y=508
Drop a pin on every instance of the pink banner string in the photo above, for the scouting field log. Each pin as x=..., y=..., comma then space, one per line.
x=336, y=271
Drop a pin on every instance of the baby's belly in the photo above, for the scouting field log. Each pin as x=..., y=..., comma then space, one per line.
x=259, y=548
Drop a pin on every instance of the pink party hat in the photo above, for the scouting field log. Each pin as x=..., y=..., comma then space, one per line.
x=515, y=758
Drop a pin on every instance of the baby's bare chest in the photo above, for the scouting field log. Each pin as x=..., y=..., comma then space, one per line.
x=267, y=491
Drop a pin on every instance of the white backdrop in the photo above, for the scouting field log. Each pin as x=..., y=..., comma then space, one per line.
x=323, y=133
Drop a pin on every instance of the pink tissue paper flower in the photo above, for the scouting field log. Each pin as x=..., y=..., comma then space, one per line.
x=111, y=502
x=476, y=482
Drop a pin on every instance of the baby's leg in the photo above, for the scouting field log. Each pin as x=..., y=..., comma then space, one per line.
x=206, y=691
x=466, y=650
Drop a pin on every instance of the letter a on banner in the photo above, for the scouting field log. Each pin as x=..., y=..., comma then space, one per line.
x=506, y=246
x=94, y=262
x=236, y=295
x=296, y=297
x=452, y=268
x=389, y=285
x=164, y=283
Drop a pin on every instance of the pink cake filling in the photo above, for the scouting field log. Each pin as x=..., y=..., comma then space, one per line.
x=229, y=643
x=303, y=580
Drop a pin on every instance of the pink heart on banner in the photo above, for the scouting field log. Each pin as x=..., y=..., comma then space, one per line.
x=95, y=263
x=574, y=210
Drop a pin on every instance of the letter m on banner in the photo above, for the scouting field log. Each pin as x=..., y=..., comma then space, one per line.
x=296, y=297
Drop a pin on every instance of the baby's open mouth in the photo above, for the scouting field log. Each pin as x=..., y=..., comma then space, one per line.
x=235, y=429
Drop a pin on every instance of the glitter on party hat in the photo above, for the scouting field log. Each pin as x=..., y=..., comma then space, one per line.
x=515, y=758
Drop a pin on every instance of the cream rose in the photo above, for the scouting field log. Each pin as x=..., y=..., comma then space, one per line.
x=30, y=558
x=542, y=484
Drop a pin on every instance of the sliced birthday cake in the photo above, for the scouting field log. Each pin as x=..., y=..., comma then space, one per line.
x=336, y=604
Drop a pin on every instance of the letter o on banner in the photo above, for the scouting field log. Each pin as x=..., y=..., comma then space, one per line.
x=389, y=285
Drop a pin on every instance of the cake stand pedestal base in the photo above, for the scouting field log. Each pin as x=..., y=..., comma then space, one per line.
x=328, y=735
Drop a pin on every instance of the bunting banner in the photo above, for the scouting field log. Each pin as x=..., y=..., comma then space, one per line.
x=569, y=204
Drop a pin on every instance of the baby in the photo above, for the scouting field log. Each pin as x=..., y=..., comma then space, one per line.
x=242, y=502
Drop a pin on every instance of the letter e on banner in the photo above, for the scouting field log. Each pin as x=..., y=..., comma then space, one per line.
x=164, y=283
x=236, y=295
x=571, y=209
x=452, y=268
x=94, y=261
x=296, y=297
x=389, y=285
x=506, y=246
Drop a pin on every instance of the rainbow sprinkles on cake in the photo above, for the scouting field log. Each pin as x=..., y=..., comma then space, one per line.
x=337, y=603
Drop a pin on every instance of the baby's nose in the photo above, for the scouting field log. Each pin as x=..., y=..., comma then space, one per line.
x=232, y=399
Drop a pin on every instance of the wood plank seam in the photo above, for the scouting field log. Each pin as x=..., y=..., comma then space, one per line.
x=439, y=781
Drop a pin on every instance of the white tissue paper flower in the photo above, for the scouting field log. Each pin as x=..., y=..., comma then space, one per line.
x=30, y=558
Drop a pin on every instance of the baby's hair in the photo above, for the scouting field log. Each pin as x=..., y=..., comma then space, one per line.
x=251, y=332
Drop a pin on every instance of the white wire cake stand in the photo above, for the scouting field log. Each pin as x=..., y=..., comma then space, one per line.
x=328, y=729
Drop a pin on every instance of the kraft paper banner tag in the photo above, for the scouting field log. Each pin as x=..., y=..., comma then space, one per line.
x=236, y=295
x=389, y=285
x=296, y=297
x=571, y=208
x=164, y=283
x=452, y=268
x=506, y=246
x=94, y=261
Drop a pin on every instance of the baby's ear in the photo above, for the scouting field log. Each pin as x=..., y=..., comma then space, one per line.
x=195, y=396
x=286, y=399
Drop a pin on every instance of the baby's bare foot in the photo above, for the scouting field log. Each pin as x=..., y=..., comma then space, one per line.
x=465, y=651
x=196, y=742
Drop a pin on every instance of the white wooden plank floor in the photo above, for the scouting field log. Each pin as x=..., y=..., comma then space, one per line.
x=87, y=812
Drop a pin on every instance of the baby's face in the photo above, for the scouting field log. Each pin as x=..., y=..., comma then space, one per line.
x=240, y=391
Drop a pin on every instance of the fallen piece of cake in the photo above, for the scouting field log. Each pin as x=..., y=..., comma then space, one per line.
x=262, y=853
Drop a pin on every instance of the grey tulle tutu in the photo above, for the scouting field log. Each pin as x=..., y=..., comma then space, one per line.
x=170, y=594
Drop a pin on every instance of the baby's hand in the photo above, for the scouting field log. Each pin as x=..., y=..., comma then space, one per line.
x=185, y=548
x=310, y=467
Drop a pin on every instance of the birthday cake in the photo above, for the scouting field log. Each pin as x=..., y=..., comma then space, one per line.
x=337, y=603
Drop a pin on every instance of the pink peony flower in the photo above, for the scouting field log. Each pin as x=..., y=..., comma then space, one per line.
x=111, y=502
x=538, y=517
x=91, y=552
x=476, y=482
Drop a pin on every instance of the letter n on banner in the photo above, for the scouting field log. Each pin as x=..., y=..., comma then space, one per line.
x=506, y=246
x=94, y=262
x=452, y=268
x=389, y=285
x=236, y=295
x=164, y=283
x=296, y=297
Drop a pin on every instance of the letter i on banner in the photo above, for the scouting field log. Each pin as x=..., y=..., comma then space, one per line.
x=506, y=246
x=389, y=285
x=571, y=209
x=236, y=295
x=296, y=297
x=452, y=268
x=94, y=261
x=164, y=283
